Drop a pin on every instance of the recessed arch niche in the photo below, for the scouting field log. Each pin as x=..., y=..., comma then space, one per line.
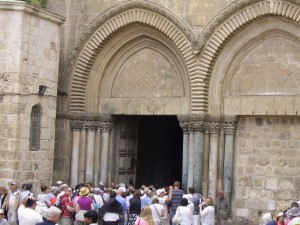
x=252, y=75
x=139, y=71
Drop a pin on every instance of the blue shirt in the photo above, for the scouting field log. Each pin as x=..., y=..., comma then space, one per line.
x=146, y=201
x=122, y=201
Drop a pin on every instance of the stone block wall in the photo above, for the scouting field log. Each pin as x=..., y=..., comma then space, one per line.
x=267, y=174
x=29, y=54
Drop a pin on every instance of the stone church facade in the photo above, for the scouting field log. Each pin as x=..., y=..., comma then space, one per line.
x=227, y=72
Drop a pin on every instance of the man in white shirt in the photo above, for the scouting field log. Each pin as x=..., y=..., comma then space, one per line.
x=27, y=214
x=11, y=203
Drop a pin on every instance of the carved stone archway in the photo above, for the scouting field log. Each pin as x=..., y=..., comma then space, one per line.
x=107, y=25
x=228, y=23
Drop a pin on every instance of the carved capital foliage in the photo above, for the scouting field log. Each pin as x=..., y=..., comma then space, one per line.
x=105, y=125
x=76, y=124
x=184, y=122
x=213, y=124
x=230, y=124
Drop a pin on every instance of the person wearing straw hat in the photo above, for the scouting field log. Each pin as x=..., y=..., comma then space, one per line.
x=84, y=204
x=280, y=218
x=11, y=203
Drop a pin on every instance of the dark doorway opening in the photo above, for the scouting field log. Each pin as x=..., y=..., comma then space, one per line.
x=159, y=151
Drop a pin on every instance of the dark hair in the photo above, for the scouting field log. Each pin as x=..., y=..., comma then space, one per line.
x=184, y=202
x=191, y=190
x=43, y=187
x=92, y=214
x=28, y=187
x=113, y=194
x=294, y=204
x=30, y=202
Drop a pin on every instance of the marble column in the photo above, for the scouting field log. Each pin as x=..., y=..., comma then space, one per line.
x=76, y=125
x=198, y=127
x=82, y=154
x=230, y=126
x=205, y=164
x=105, y=127
x=184, y=124
x=213, y=129
x=220, y=161
x=97, y=156
x=191, y=160
x=90, y=149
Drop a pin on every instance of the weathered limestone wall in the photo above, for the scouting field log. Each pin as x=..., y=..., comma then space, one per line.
x=29, y=56
x=267, y=174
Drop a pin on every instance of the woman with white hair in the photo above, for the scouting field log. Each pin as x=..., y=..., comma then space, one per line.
x=53, y=216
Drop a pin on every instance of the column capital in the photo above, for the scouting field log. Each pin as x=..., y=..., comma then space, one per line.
x=184, y=122
x=192, y=122
x=77, y=124
x=230, y=124
x=213, y=124
x=90, y=124
x=105, y=125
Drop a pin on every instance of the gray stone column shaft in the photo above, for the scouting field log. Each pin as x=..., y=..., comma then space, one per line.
x=213, y=155
x=198, y=161
x=191, y=160
x=104, y=156
x=75, y=157
x=185, y=157
x=205, y=164
x=220, y=162
x=82, y=154
x=97, y=157
x=90, y=149
x=228, y=165
x=230, y=126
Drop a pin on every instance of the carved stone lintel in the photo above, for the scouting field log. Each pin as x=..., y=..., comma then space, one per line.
x=230, y=124
x=213, y=124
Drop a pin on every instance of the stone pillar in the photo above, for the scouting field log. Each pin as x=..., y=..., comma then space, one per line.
x=97, y=156
x=105, y=127
x=89, y=160
x=184, y=124
x=191, y=159
x=213, y=127
x=230, y=126
x=76, y=125
x=205, y=164
x=220, y=158
x=198, y=127
x=82, y=154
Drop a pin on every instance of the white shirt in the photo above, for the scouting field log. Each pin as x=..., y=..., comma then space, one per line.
x=207, y=215
x=159, y=208
x=12, y=200
x=111, y=217
x=28, y=216
x=186, y=215
x=191, y=207
x=98, y=200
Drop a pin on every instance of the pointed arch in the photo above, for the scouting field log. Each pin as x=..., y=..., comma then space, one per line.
x=107, y=25
x=228, y=23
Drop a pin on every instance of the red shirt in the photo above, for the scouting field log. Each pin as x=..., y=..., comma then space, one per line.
x=64, y=201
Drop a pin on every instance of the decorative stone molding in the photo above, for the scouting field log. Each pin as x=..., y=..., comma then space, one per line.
x=213, y=124
x=230, y=124
x=106, y=26
x=105, y=126
x=226, y=24
x=192, y=122
x=77, y=124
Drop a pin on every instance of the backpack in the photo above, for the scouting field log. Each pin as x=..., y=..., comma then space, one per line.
x=58, y=203
x=96, y=206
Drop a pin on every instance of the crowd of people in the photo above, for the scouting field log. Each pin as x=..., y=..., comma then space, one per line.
x=290, y=216
x=112, y=205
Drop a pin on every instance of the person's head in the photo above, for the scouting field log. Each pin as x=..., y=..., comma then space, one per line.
x=161, y=192
x=184, y=202
x=280, y=217
x=112, y=194
x=3, y=190
x=90, y=217
x=294, y=204
x=84, y=191
x=69, y=191
x=44, y=188
x=209, y=201
x=64, y=187
x=191, y=190
x=137, y=193
x=147, y=215
x=96, y=191
x=221, y=194
x=30, y=202
x=29, y=187
x=176, y=184
x=1, y=214
x=149, y=193
x=13, y=185
x=88, y=185
x=53, y=214
x=155, y=199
